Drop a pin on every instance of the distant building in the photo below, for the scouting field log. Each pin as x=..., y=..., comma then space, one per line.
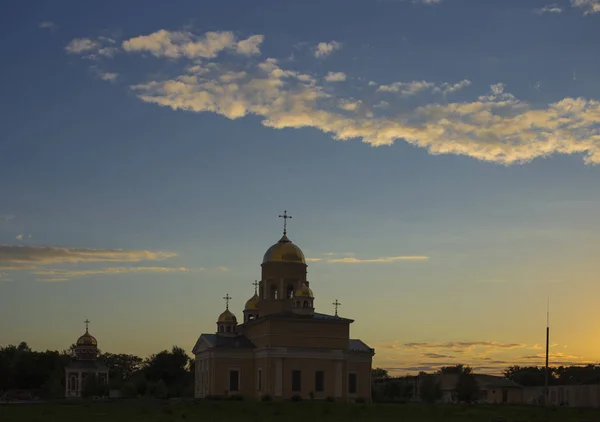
x=587, y=395
x=84, y=365
x=283, y=348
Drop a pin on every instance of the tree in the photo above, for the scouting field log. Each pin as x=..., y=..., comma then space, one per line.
x=429, y=389
x=467, y=389
x=528, y=376
x=121, y=366
x=379, y=374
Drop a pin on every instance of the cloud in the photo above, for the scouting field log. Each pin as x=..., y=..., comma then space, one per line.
x=16, y=255
x=588, y=6
x=250, y=46
x=324, y=49
x=64, y=275
x=388, y=259
x=19, y=236
x=92, y=49
x=335, y=77
x=550, y=8
x=178, y=44
x=222, y=269
x=462, y=345
x=313, y=259
x=408, y=89
x=6, y=217
x=427, y=2
x=494, y=127
x=436, y=356
x=48, y=25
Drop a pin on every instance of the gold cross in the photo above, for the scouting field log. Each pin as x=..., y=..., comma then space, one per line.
x=285, y=217
x=227, y=299
x=336, y=304
x=87, y=321
x=255, y=284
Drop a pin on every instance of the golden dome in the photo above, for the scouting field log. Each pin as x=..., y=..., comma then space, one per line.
x=284, y=251
x=227, y=316
x=304, y=291
x=87, y=340
x=252, y=303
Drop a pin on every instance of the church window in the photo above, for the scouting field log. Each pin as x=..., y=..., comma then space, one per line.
x=319, y=381
x=290, y=291
x=220, y=328
x=273, y=291
x=352, y=383
x=228, y=329
x=234, y=380
x=259, y=380
x=305, y=304
x=296, y=381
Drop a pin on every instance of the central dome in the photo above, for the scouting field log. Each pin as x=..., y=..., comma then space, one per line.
x=87, y=340
x=284, y=251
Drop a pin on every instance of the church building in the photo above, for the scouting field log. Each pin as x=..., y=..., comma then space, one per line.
x=85, y=364
x=283, y=348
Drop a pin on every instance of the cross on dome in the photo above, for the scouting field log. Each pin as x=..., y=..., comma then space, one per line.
x=285, y=217
x=255, y=284
x=227, y=299
x=87, y=321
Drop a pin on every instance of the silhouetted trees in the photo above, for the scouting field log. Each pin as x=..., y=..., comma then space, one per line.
x=430, y=390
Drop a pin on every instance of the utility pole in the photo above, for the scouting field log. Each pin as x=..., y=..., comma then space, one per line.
x=546, y=395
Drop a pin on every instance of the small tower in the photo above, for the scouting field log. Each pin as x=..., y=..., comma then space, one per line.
x=227, y=322
x=84, y=366
x=304, y=301
x=251, y=308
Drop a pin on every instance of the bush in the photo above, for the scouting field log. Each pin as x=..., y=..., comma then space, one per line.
x=296, y=398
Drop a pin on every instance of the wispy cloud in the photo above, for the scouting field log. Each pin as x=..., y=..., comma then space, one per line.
x=386, y=259
x=408, y=89
x=92, y=49
x=495, y=126
x=177, y=44
x=324, y=49
x=105, y=76
x=19, y=236
x=335, y=77
x=10, y=255
x=64, y=275
x=313, y=259
x=588, y=6
x=462, y=345
x=6, y=217
x=48, y=25
x=427, y=2
x=549, y=8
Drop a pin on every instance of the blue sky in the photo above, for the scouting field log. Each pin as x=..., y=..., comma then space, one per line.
x=439, y=158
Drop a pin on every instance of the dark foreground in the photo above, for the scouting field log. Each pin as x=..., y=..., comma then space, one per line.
x=224, y=411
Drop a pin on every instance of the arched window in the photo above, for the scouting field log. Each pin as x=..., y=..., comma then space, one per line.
x=220, y=328
x=290, y=291
x=274, y=291
x=250, y=317
x=305, y=304
x=228, y=328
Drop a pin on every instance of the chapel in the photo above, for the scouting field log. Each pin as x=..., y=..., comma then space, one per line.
x=282, y=347
x=85, y=364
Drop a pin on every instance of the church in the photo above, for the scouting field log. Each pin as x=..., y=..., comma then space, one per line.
x=283, y=348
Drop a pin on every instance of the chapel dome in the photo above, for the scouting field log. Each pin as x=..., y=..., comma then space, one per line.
x=227, y=316
x=284, y=251
x=87, y=340
x=252, y=303
x=304, y=291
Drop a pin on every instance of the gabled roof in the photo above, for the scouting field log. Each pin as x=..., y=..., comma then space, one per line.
x=315, y=317
x=223, y=342
x=356, y=345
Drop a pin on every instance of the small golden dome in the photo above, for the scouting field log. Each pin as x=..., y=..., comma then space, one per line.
x=304, y=291
x=227, y=316
x=87, y=340
x=284, y=251
x=252, y=303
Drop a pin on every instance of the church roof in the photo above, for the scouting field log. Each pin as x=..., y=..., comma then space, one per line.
x=237, y=342
x=356, y=345
x=316, y=316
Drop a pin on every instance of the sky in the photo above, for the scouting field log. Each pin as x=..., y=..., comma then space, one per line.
x=440, y=160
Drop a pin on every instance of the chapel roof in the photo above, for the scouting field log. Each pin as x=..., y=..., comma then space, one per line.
x=237, y=342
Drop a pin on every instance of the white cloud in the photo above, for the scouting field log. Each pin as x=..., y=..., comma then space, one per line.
x=92, y=49
x=48, y=25
x=335, y=77
x=250, y=46
x=19, y=236
x=14, y=256
x=588, y=6
x=549, y=8
x=324, y=49
x=381, y=260
x=349, y=105
x=313, y=259
x=178, y=44
x=108, y=76
x=409, y=89
x=427, y=1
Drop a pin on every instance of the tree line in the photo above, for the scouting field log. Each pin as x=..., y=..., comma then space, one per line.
x=164, y=374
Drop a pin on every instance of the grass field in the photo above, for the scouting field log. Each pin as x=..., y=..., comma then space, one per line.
x=224, y=411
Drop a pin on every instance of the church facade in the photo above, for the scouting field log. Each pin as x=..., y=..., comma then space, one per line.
x=283, y=347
